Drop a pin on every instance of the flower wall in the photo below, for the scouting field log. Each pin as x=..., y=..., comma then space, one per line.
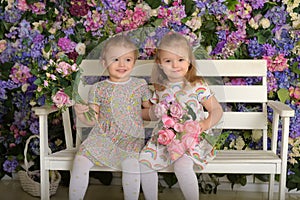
x=43, y=42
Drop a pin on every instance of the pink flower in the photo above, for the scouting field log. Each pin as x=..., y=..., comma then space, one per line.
x=295, y=92
x=178, y=127
x=190, y=141
x=61, y=99
x=165, y=136
x=176, y=149
x=191, y=127
x=176, y=110
x=168, y=121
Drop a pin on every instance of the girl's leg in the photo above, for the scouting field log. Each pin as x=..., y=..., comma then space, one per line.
x=187, y=178
x=79, y=177
x=149, y=179
x=131, y=178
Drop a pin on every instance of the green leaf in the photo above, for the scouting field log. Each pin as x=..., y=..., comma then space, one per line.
x=283, y=94
x=231, y=4
x=47, y=47
x=191, y=112
x=189, y=7
x=295, y=68
x=153, y=3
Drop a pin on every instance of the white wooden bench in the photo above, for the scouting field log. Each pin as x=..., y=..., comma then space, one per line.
x=264, y=161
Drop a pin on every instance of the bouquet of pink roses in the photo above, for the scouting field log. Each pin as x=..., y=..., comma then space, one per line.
x=180, y=131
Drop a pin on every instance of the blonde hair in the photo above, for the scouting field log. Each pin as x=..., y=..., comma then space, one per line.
x=119, y=41
x=174, y=39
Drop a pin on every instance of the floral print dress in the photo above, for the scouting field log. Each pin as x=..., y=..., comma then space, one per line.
x=119, y=132
x=155, y=155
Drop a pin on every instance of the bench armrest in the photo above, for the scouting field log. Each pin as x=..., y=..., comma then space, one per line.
x=282, y=109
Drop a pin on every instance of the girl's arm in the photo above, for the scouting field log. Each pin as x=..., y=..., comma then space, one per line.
x=215, y=113
x=146, y=109
x=80, y=109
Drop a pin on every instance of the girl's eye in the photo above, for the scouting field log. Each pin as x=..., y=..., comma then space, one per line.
x=181, y=60
x=128, y=59
x=115, y=59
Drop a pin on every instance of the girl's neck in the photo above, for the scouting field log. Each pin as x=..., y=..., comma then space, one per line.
x=118, y=82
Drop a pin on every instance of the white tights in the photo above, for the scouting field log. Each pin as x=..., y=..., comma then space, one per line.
x=80, y=178
x=187, y=180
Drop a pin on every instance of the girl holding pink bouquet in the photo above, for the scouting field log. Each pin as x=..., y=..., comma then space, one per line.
x=180, y=137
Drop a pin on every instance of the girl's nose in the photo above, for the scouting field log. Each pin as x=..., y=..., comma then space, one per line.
x=174, y=64
x=121, y=62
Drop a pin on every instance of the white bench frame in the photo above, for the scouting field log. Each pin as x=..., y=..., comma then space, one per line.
x=264, y=161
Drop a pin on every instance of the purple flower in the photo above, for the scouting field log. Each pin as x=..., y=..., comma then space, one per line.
x=269, y=50
x=10, y=165
x=254, y=48
x=12, y=15
x=277, y=15
x=272, y=82
x=256, y=4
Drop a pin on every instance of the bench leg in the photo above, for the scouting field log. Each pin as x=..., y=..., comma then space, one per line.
x=45, y=185
x=271, y=186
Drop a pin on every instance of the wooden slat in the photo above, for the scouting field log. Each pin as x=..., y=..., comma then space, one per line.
x=231, y=161
x=207, y=68
x=243, y=120
x=236, y=68
x=230, y=120
x=240, y=93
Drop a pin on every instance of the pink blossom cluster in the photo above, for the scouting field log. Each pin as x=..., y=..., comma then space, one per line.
x=17, y=133
x=20, y=73
x=95, y=20
x=180, y=133
x=278, y=63
x=66, y=45
x=65, y=68
x=171, y=15
x=295, y=92
x=132, y=19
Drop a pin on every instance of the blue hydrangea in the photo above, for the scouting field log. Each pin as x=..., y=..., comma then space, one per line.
x=254, y=48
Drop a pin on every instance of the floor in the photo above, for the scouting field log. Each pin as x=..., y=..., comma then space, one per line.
x=11, y=189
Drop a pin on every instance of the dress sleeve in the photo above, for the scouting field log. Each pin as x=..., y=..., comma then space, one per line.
x=94, y=96
x=203, y=92
x=146, y=92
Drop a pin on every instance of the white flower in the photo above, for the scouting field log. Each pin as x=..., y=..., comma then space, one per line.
x=80, y=48
x=195, y=23
x=256, y=135
x=253, y=24
x=239, y=143
x=265, y=23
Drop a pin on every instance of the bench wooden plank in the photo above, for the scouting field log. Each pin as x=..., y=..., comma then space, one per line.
x=227, y=161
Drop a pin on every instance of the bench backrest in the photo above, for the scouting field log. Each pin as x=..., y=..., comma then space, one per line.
x=214, y=71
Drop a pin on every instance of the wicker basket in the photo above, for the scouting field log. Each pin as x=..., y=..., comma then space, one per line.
x=26, y=177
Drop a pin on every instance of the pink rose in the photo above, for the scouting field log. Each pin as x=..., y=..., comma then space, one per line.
x=176, y=110
x=178, y=127
x=60, y=99
x=165, y=136
x=176, y=149
x=168, y=122
x=192, y=127
x=190, y=141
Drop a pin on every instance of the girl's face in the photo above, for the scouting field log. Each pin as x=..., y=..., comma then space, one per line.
x=120, y=62
x=174, y=66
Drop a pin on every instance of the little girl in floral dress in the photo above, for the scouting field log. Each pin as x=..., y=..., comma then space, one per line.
x=118, y=133
x=180, y=98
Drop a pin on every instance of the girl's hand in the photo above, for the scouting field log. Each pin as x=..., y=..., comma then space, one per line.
x=204, y=125
x=81, y=108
